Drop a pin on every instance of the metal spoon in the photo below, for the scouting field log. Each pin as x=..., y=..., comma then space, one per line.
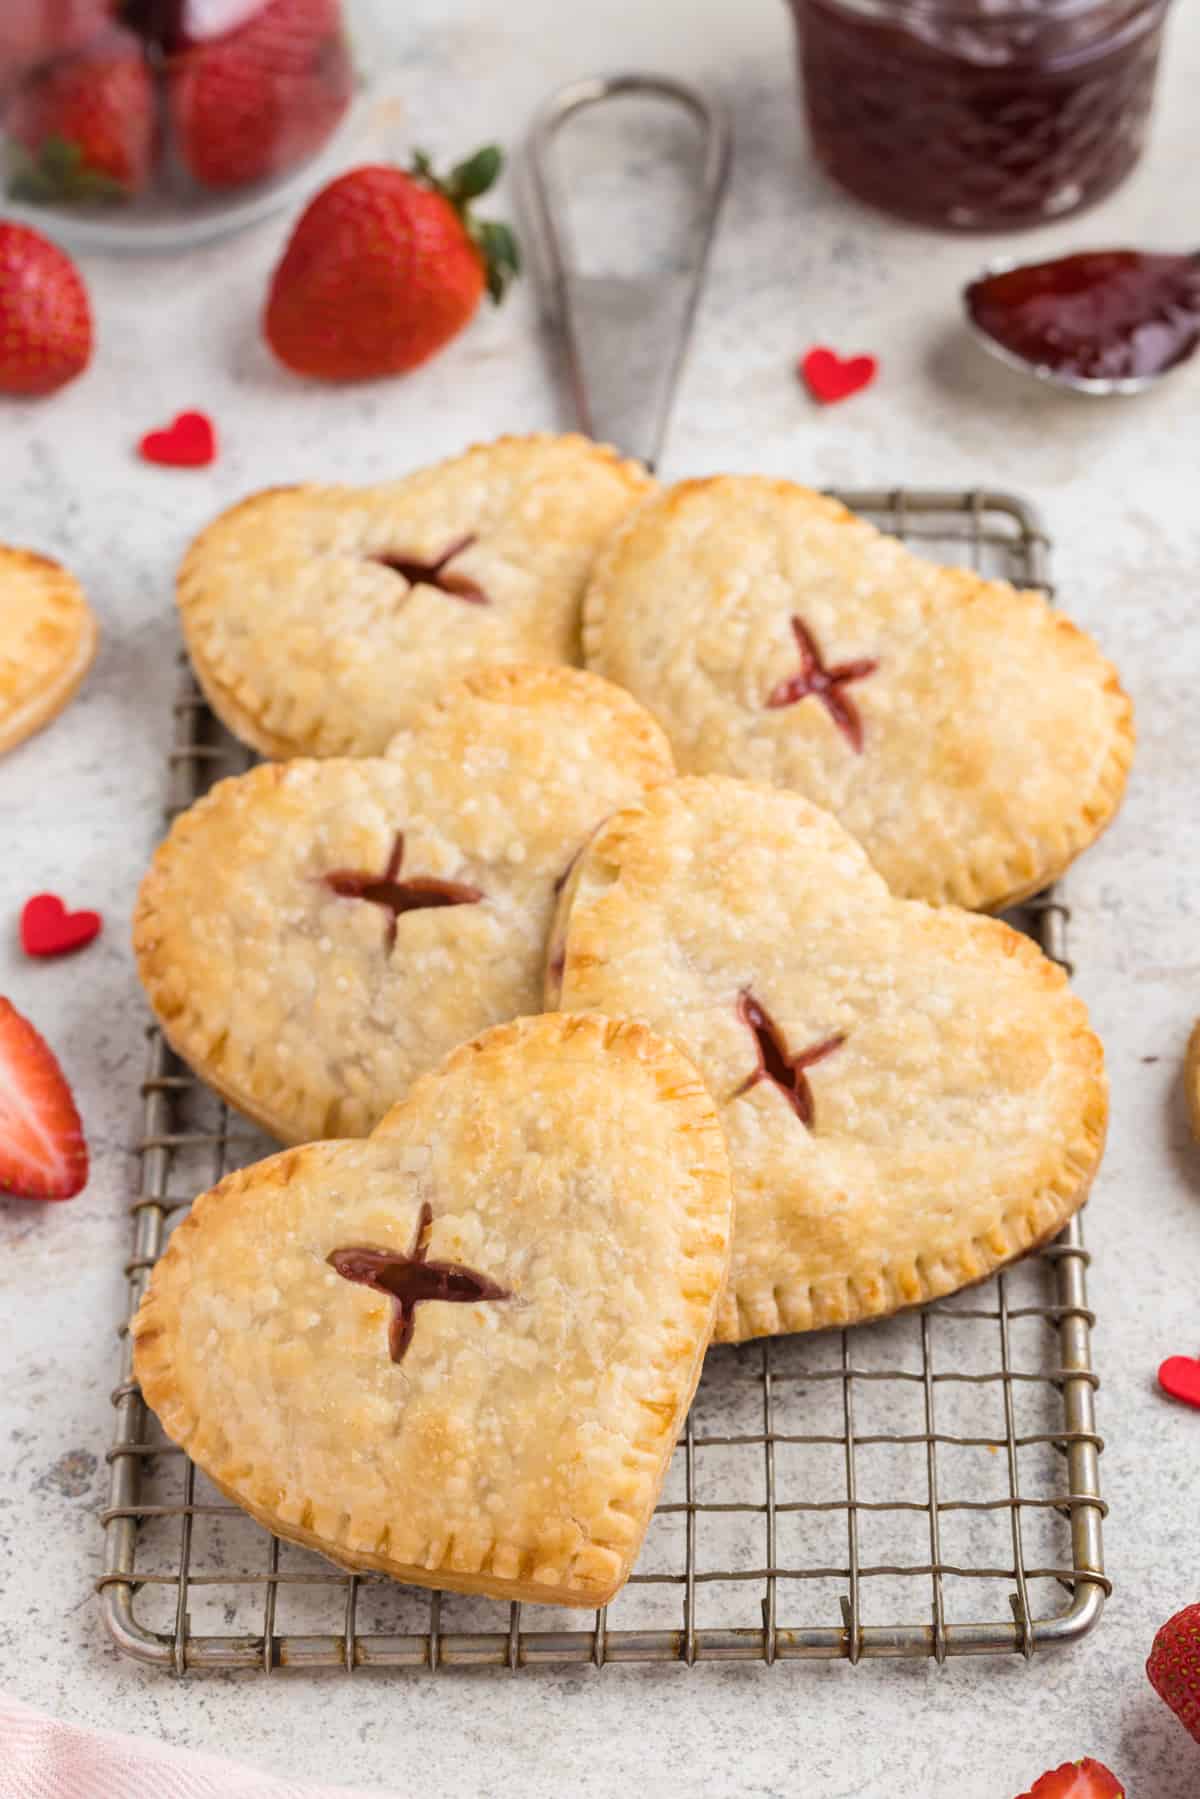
x=1097, y=322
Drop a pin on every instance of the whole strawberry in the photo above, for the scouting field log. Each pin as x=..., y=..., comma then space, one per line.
x=1087, y=1779
x=45, y=318
x=87, y=123
x=385, y=267
x=255, y=100
x=1174, y=1667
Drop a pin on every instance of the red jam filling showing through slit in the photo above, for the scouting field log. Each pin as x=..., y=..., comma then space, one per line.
x=828, y=685
x=438, y=574
x=397, y=896
x=411, y=1280
x=786, y=1073
x=1107, y=315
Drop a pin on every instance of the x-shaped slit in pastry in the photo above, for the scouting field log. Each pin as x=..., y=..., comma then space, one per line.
x=438, y=574
x=397, y=896
x=775, y=1065
x=412, y=1280
x=826, y=684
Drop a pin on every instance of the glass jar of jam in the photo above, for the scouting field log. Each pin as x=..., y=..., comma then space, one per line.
x=156, y=123
x=978, y=114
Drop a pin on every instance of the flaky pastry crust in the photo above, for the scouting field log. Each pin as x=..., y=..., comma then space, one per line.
x=307, y=643
x=976, y=741
x=48, y=637
x=1191, y=1080
x=310, y=1009
x=955, y=1095
x=519, y=1446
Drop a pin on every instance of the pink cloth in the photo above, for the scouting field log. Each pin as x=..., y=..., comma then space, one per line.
x=41, y=1758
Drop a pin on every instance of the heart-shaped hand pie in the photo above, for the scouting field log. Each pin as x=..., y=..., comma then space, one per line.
x=47, y=641
x=461, y=1350
x=911, y=1095
x=972, y=740
x=318, y=619
x=313, y=935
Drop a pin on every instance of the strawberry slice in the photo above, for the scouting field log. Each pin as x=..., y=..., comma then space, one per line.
x=1174, y=1666
x=1087, y=1779
x=42, y=1150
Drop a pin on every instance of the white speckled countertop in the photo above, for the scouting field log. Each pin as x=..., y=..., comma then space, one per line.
x=80, y=809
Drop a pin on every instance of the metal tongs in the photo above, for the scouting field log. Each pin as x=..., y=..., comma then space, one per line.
x=624, y=336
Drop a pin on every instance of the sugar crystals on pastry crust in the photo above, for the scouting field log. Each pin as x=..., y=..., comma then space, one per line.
x=972, y=739
x=911, y=1095
x=313, y=935
x=47, y=640
x=319, y=619
x=548, y=1217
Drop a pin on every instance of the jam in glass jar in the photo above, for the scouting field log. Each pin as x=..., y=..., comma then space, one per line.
x=978, y=114
x=155, y=123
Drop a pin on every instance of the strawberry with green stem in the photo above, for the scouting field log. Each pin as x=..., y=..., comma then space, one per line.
x=86, y=125
x=385, y=266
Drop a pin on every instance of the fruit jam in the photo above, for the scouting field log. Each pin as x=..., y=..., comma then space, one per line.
x=1110, y=315
x=978, y=114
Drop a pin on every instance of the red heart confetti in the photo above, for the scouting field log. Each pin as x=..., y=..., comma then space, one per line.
x=190, y=441
x=1180, y=1377
x=48, y=929
x=830, y=377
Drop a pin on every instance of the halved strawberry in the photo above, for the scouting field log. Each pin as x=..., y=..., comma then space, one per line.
x=42, y=1150
x=1174, y=1667
x=1087, y=1779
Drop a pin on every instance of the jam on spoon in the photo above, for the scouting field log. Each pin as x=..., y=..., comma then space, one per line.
x=1103, y=316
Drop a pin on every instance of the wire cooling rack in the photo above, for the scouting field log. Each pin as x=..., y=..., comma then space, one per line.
x=926, y=1486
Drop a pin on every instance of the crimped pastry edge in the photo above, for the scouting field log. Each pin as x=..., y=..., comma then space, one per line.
x=41, y=708
x=775, y=1308
x=553, y=685
x=597, y=1570
x=234, y=702
x=1030, y=864
x=1191, y=1078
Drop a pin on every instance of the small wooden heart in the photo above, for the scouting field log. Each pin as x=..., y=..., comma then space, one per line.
x=1180, y=1377
x=189, y=441
x=830, y=377
x=48, y=929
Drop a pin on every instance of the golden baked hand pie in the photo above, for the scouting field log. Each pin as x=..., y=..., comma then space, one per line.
x=47, y=641
x=313, y=935
x=911, y=1095
x=1191, y=1079
x=318, y=619
x=973, y=740
x=460, y=1350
